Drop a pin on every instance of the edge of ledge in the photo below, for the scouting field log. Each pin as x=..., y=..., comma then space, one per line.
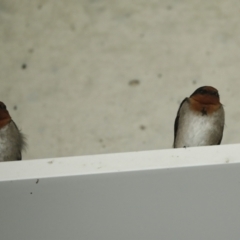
x=120, y=162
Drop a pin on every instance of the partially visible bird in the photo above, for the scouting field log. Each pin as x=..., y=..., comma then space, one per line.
x=12, y=141
x=199, y=120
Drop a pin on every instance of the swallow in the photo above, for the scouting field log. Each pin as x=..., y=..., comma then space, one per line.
x=200, y=119
x=12, y=141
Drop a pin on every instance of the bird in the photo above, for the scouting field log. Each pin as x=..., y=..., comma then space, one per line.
x=12, y=140
x=200, y=119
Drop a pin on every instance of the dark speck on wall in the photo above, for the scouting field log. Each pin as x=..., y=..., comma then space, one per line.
x=30, y=50
x=134, y=82
x=142, y=127
x=24, y=66
x=194, y=82
x=30, y=192
x=102, y=143
x=37, y=181
x=15, y=107
x=159, y=75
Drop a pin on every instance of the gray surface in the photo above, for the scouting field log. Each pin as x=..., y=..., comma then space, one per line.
x=183, y=203
x=74, y=97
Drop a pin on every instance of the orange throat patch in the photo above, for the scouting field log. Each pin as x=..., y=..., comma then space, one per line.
x=204, y=107
x=4, y=118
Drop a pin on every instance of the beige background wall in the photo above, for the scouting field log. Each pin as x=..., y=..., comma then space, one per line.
x=100, y=76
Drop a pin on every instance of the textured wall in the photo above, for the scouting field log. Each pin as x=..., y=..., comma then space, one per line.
x=99, y=76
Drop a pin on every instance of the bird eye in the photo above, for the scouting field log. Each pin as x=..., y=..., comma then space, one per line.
x=201, y=91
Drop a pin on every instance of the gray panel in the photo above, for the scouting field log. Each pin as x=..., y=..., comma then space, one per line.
x=184, y=203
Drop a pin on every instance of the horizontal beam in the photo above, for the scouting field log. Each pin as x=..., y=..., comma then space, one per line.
x=120, y=162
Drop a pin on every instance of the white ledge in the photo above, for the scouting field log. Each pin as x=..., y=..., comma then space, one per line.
x=120, y=162
x=169, y=194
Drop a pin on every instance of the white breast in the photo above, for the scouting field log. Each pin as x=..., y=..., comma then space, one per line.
x=10, y=143
x=4, y=141
x=198, y=129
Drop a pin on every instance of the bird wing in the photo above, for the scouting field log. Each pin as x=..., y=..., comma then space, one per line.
x=19, y=157
x=221, y=136
x=177, y=118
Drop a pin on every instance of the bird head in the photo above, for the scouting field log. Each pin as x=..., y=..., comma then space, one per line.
x=206, y=95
